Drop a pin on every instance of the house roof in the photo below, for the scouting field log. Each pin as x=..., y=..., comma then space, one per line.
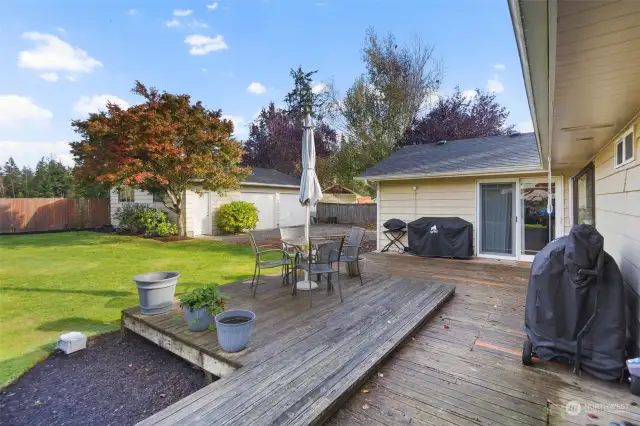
x=339, y=190
x=270, y=177
x=479, y=156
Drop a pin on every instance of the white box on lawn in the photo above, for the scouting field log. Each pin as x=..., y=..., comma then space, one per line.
x=71, y=342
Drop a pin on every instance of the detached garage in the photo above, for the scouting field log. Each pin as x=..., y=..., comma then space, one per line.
x=273, y=193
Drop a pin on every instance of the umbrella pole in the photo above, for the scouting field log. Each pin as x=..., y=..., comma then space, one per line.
x=307, y=284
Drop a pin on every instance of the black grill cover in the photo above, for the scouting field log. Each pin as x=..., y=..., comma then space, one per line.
x=395, y=225
x=561, y=298
x=441, y=237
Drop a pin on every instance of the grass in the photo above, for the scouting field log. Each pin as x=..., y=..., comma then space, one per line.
x=80, y=281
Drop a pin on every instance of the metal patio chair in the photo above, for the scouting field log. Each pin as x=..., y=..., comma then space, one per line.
x=284, y=262
x=352, y=250
x=324, y=252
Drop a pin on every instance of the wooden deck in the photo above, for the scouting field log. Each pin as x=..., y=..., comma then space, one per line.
x=464, y=367
x=302, y=364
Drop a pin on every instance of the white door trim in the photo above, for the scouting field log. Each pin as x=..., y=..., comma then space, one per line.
x=516, y=244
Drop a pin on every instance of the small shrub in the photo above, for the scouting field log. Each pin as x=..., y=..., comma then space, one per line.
x=237, y=216
x=209, y=297
x=127, y=214
x=143, y=218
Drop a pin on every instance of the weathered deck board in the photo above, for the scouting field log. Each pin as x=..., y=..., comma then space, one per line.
x=471, y=372
x=306, y=362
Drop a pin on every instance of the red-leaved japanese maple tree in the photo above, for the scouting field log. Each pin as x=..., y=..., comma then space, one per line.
x=164, y=146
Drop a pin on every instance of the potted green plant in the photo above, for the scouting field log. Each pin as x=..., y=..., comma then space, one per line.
x=201, y=305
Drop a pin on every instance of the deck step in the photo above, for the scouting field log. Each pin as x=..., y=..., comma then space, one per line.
x=318, y=360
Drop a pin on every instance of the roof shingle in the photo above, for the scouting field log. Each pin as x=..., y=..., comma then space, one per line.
x=467, y=156
x=260, y=176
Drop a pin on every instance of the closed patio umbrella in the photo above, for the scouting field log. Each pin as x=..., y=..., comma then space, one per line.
x=310, y=191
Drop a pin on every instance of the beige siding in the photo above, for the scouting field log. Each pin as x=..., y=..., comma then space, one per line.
x=618, y=220
x=139, y=197
x=432, y=197
x=218, y=200
x=444, y=198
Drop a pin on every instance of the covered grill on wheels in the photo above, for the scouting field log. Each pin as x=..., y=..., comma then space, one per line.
x=441, y=237
x=575, y=309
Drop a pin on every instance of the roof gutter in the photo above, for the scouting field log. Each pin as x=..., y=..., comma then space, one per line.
x=492, y=172
x=275, y=185
x=518, y=29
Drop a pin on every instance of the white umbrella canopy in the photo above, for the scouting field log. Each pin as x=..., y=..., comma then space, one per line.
x=310, y=190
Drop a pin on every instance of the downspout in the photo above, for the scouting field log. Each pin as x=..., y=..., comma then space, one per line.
x=552, y=24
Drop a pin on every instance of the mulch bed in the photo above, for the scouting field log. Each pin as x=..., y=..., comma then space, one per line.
x=120, y=379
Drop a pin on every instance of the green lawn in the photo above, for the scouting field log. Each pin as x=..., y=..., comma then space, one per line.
x=79, y=281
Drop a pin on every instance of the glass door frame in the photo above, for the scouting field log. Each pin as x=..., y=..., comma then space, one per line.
x=559, y=222
x=514, y=222
x=518, y=221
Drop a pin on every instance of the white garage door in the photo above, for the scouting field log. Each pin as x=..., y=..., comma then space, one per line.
x=291, y=212
x=266, y=204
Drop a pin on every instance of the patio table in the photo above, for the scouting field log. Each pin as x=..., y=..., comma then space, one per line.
x=299, y=244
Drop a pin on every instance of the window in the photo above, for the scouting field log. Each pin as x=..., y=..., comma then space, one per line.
x=125, y=194
x=624, y=149
x=584, y=196
x=157, y=197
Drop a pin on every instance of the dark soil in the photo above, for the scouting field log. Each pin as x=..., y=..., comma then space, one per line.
x=118, y=380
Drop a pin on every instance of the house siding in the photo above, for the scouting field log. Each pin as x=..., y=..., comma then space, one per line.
x=139, y=197
x=618, y=220
x=446, y=197
x=218, y=200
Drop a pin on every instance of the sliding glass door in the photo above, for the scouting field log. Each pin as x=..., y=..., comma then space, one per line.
x=497, y=218
x=538, y=224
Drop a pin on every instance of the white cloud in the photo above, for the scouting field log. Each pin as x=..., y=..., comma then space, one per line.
x=256, y=88
x=204, y=70
x=61, y=30
x=132, y=11
x=469, y=94
x=318, y=88
x=198, y=24
x=52, y=53
x=70, y=78
x=16, y=110
x=494, y=85
x=499, y=67
x=240, y=126
x=213, y=6
x=181, y=12
x=50, y=76
x=430, y=101
x=525, y=127
x=29, y=152
x=172, y=23
x=201, y=45
x=95, y=103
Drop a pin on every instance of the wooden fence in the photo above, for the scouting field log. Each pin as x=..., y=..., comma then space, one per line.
x=50, y=214
x=359, y=214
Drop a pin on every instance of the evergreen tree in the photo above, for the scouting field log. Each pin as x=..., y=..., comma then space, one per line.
x=12, y=179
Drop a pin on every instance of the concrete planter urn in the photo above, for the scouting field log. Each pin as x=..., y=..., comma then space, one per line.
x=156, y=291
x=234, y=329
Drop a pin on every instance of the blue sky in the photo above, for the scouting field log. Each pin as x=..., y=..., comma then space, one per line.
x=59, y=60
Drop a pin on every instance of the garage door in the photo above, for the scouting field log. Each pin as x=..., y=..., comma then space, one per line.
x=266, y=204
x=291, y=212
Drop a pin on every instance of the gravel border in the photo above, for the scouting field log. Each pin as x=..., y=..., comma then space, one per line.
x=120, y=379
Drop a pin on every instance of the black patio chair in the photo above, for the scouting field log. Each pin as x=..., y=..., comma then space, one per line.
x=323, y=253
x=284, y=262
x=353, y=248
